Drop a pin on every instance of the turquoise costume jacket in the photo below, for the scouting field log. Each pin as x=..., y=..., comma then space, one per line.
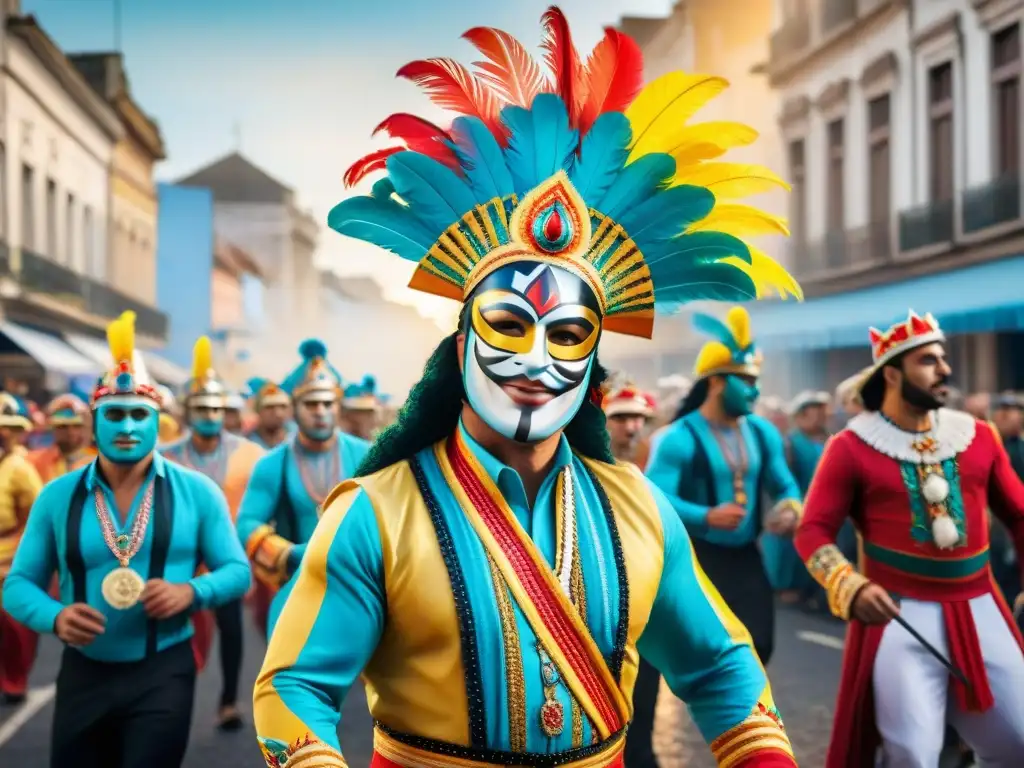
x=189, y=524
x=688, y=466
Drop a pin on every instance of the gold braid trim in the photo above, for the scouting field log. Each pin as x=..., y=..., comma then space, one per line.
x=761, y=732
x=269, y=555
x=306, y=752
x=837, y=575
x=515, y=679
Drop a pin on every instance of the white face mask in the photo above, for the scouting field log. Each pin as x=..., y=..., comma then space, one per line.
x=531, y=340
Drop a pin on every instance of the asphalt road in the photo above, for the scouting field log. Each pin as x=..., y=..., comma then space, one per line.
x=804, y=674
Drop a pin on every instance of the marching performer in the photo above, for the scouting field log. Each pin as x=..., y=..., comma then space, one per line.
x=20, y=484
x=360, y=409
x=272, y=407
x=67, y=416
x=628, y=411
x=228, y=461
x=282, y=503
x=234, y=409
x=125, y=535
x=492, y=572
x=917, y=479
x=717, y=461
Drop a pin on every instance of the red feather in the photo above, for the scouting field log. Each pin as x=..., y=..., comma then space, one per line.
x=561, y=55
x=419, y=135
x=614, y=75
x=510, y=69
x=375, y=161
x=452, y=86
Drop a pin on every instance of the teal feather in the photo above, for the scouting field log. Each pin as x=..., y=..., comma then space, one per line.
x=437, y=196
x=542, y=142
x=635, y=183
x=667, y=214
x=353, y=390
x=712, y=326
x=602, y=155
x=481, y=159
x=254, y=385
x=695, y=248
x=383, y=189
x=311, y=349
x=369, y=383
x=385, y=224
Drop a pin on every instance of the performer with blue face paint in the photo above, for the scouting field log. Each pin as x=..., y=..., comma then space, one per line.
x=282, y=503
x=228, y=460
x=125, y=534
x=717, y=461
x=492, y=574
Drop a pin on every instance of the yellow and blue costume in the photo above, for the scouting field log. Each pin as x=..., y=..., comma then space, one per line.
x=699, y=464
x=495, y=625
x=289, y=483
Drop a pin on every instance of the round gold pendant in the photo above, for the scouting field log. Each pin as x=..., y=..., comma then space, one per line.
x=122, y=588
x=741, y=498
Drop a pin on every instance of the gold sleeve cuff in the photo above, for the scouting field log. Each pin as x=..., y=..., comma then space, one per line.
x=269, y=555
x=837, y=575
x=761, y=732
x=304, y=753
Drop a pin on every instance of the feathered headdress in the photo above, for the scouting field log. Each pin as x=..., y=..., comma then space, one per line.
x=362, y=396
x=731, y=349
x=314, y=373
x=586, y=170
x=128, y=376
x=66, y=410
x=205, y=387
x=263, y=392
x=13, y=412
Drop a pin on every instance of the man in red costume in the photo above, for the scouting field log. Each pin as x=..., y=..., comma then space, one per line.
x=917, y=479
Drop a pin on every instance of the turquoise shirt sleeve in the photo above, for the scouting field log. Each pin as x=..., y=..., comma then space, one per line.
x=25, y=597
x=778, y=477
x=228, y=578
x=671, y=454
x=260, y=498
x=309, y=673
x=687, y=640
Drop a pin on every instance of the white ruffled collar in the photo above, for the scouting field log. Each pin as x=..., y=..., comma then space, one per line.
x=952, y=433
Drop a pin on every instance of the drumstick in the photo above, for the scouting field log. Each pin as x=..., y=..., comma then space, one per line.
x=949, y=665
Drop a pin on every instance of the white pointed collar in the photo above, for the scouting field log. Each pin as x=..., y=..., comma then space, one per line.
x=952, y=431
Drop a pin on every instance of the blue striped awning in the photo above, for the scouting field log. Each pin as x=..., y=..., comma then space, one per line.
x=985, y=298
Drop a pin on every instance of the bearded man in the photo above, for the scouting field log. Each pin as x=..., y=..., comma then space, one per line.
x=67, y=416
x=917, y=480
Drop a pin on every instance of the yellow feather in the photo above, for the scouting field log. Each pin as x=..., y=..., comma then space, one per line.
x=740, y=220
x=121, y=337
x=738, y=320
x=659, y=112
x=202, y=358
x=714, y=354
x=729, y=180
x=706, y=141
x=769, y=277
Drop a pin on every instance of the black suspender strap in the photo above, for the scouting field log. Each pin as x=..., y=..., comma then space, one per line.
x=162, y=520
x=285, y=510
x=698, y=485
x=73, y=549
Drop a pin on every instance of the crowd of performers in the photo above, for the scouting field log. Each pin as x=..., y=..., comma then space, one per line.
x=505, y=568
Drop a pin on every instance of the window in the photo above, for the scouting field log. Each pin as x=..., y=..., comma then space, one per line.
x=28, y=208
x=88, y=240
x=1006, y=101
x=51, y=219
x=70, y=234
x=836, y=200
x=879, y=165
x=940, y=132
x=797, y=197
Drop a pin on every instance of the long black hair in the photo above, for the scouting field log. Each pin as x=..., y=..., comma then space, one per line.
x=694, y=399
x=434, y=405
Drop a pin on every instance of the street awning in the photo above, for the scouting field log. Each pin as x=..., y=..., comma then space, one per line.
x=164, y=371
x=981, y=299
x=52, y=354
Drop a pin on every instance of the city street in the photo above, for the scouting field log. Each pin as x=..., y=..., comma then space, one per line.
x=804, y=674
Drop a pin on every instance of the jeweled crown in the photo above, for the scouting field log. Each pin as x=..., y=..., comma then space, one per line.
x=915, y=331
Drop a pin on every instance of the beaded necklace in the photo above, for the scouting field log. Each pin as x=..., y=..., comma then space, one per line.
x=126, y=545
x=738, y=462
x=318, y=471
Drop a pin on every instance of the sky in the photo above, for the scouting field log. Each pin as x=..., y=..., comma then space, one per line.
x=299, y=85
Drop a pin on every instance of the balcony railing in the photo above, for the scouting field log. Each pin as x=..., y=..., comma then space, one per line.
x=40, y=275
x=837, y=12
x=997, y=202
x=930, y=224
x=791, y=38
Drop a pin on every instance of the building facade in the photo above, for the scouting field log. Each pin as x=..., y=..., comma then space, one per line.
x=236, y=318
x=261, y=215
x=902, y=124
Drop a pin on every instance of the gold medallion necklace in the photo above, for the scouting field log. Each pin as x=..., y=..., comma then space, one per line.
x=123, y=586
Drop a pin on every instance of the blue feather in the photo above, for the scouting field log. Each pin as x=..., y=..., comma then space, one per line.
x=710, y=325
x=667, y=214
x=635, y=183
x=695, y=248
x=383, y=223
x=435, y=195
x=481, y=159
x=604, y=152
x=352, y=390
x=369, y=384
x=382, y=189
x=541, y=143
x=311, y=349
x=255, y=384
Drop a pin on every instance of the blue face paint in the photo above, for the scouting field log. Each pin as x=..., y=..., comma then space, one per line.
x=739, y=396
x=207, y=422
x=317, y=419
x=126, y=428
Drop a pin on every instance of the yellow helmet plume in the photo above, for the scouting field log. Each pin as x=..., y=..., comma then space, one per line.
x=121, y=338
x=202, y=359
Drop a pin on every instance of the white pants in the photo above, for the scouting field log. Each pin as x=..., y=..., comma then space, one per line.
x=913, y=700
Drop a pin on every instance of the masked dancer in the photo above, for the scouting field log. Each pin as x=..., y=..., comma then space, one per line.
x=717, y=462
x=917, y=480
x=360, y=409
x=282, y=504
x=491, y=573
x=125, y=535
x=228, y=460
x=19, y=486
